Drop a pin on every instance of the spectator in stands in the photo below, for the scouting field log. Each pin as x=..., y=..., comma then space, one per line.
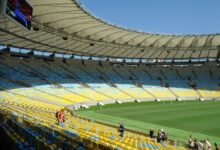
x=207, y=145
x=164, y=135
x=60, y=117
x=196, y=147
x=216, y=147
x=191, y=142
x=161, y=136
x=121, y=129
x=200, y=145
x=151, y=133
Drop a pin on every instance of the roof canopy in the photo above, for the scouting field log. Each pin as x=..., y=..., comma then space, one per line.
x=65, y=27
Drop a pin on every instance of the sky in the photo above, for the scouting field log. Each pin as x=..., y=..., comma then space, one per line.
x=159, y=16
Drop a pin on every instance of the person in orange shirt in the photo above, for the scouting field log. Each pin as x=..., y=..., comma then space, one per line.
x=60, y=117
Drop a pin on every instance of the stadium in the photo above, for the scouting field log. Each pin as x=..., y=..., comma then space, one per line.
x=55, y=56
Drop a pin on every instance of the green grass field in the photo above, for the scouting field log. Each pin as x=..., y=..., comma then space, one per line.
x=179, y=119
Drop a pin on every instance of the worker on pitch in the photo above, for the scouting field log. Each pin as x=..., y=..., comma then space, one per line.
x=121, y=130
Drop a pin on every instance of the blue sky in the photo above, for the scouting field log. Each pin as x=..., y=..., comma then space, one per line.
x=160, y=16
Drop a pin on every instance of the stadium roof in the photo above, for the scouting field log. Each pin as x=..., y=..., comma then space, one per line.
x=63, y=26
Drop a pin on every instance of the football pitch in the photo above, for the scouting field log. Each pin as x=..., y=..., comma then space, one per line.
x=178, y=119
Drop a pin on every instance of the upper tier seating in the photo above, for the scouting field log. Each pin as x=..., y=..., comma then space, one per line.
x=73, y=82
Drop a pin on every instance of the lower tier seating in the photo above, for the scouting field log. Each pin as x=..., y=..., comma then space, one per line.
x=31, y=125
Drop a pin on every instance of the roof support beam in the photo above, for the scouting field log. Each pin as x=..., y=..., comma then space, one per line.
x=112, y=34
x=155, y=43
x=208, y=41
x=149, y=36
x=78, y=32
x=122, y=36
x=168, y=42
x=59, y=12
x=106, y=29
x=138, y=35
x=75, y=17
x=79, y=23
